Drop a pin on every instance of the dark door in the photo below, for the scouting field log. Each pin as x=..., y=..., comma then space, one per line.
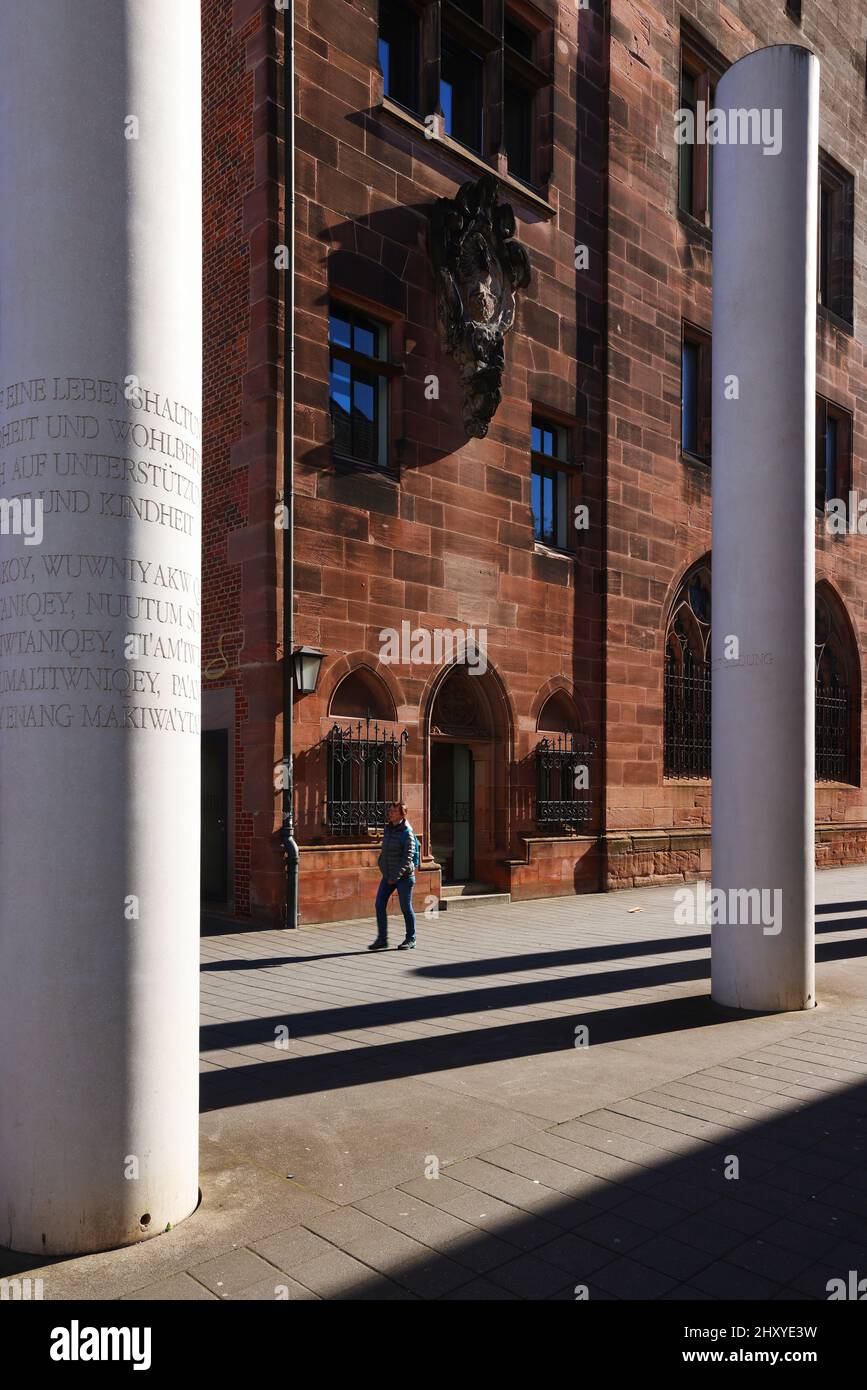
x=452, y=810
x=215, y=815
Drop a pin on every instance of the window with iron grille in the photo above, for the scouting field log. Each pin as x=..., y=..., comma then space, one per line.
x=365, y=775
x=687, y=685
x=833, y=701
x=563, y=795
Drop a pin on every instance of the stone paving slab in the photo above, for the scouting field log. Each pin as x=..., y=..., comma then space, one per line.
x=431, y=1130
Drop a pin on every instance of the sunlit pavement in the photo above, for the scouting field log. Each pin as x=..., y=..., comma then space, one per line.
x=439, y=1124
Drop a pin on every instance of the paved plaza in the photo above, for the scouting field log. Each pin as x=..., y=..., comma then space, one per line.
x=423, y=1125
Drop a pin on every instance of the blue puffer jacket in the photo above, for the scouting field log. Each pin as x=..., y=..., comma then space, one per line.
x=396, y=857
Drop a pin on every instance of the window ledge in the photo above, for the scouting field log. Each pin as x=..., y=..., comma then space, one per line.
x=385, y=471
x=553, y=551
x=700, y=230
x=829, y=316
x=466, y=156
x=695, y=460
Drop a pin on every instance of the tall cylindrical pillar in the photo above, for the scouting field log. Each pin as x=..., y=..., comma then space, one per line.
x=763, y=461
x=100, y=486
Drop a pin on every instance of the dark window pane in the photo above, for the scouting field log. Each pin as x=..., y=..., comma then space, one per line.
x=537, y=506
x=341, y=386
x=686, y=152
x=548, y=529
x=474, y=8
x=536, y=438
x=398, y=52
x=364, y=417
x=364, y=398
x=831, y=458
x=341, y=381
x=518, y=39
x=384, y=55
x=461, y=94
x=825, y=205
x=518, y=130
x=339, y=331
x=365, y=338
x=689, y=399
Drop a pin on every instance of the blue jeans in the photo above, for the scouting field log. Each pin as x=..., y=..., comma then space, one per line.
x=404, y=888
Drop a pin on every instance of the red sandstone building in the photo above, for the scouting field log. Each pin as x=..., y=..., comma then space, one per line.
x=511, y=601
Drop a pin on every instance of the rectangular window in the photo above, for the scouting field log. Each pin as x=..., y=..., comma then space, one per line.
x=700, y=70
x=549, y=484
x=836, y=238
x=358, y=385
x=833, y=445
x=487, y=66
x=399, y=52
x=695, y=393
x=793, y=10
x=523, y=78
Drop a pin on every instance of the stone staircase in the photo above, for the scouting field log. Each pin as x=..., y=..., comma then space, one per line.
x=459, y=897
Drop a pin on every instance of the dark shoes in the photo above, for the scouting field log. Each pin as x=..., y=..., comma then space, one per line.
x=407, y=945
x=378, y=945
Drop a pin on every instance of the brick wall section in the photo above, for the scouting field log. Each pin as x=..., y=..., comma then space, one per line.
x=448, y=544
x=659, y=274
x=242, y=355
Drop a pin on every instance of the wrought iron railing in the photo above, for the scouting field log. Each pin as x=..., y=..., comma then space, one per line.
x=563, y=795
x=687, y=718
x=833, y=722
x=365, y=774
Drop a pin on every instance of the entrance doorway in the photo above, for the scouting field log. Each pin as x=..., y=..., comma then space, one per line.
x=452, y=817
x=215, y=815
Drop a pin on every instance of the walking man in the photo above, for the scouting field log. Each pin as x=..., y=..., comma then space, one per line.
x=397, y=863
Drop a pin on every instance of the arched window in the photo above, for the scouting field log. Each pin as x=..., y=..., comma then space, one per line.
x=836, y=688
x=364, y=696
x=365, y=758
x=559, y=714
x=687, y=678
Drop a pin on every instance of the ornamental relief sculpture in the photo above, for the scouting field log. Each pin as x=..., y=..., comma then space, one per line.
x=479, y=267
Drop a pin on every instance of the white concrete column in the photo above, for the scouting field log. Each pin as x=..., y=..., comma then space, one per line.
x=100, y=420
x=764, y=385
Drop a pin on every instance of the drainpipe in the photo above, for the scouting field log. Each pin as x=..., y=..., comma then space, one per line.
x=288, y=807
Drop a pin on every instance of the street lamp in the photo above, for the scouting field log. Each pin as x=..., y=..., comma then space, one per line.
x=306, y=662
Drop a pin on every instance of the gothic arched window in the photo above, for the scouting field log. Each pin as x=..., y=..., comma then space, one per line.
x=836, y=687
x=687, y=678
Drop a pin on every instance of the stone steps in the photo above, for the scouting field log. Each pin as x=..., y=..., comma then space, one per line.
x=461, y=896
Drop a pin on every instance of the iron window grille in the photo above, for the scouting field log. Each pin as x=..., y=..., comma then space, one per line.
x=687, y=682
x=559, y=799
x=832, y=732
x=833, y=704
x=365, y=775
